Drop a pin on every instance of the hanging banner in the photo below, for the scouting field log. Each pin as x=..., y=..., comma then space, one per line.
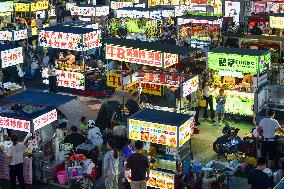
x=152, y=132
x=44, y=119
x=190, y=86
x=40, y=5
x=233, y=9
x=236, y=62
x=6, y=36
x=119, y=5
x=102, y=11
x=70, y=41
x=83, y=11
x=15, y=124
x=185, y=131
x=20, y=34
x=114, y=80
x=66, y=79
x=164, y=78
x=12, y=57
x=6, y=6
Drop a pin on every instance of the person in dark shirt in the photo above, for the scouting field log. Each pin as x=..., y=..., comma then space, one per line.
x=132, y=104
x=139, y=166
x=257, y=178
x=75, y=138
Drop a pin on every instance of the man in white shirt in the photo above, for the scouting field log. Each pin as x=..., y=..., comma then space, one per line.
x=268, y=126
x=15, y=159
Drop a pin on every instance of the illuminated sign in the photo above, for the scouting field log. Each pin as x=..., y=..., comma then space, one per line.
x=276, y=22
x=121, y=13
x=236, y=62
x=230, y=74
x=153, y=132
x=114, y=80
x=12, y=57
x=15, y=124
x=190, y=86
x=102, y=11
x=159, y=179
x=20, y=34
x=39, y=6
x=233, y=9
x=66, y=79
x=44, y=119
x=22, y=7
x=140, y=56
x=70, y=41
x=82, y=11
x=13, y=35
x=118, y=5
x=168, y=13
x=181, y=21
x=163, y=78
x=185, y=131
x=6, y=6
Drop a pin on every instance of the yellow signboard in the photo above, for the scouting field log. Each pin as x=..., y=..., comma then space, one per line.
x=276, y=22
x=38, y=6
x=185, y=131
x=114, y=80
x=21, y=7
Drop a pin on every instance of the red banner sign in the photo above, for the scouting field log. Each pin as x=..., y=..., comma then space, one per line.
x=15, y=124
x=205, y=29
x=164, y=78
x=140, y=56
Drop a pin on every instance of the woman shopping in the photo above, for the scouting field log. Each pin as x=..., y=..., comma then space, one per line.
x=111, y=162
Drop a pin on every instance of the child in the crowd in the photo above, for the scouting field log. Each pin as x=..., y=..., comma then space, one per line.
x=111, y=162
x=220, y=107
x=94, y=134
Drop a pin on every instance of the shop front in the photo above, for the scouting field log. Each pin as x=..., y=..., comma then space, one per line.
x=237, y=71
x=167, y=143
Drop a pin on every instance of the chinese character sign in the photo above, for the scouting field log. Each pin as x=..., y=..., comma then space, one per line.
x=276, y=22
x=164, y=78
x=153, y=132
x=233, y=9
x=20, y=34
x=102, y=11
x=38, y=6
x=119, y=5
x=6, y=6
x=233, y=62
x=185, y=131
x=138, y=56
x=6, y=35
x=44, y=119
x=21, y=7
x=82, y=11
x=12, y=57
x=92, y=40
x=14, y=124
x=190, y=86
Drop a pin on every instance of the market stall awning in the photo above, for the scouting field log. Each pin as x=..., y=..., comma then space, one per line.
x=239, y=51
x=41, y=98
x=259, y=37
x=68, y=29
x=155, y=46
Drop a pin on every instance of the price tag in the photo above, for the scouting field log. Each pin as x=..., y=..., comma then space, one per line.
x=171, y=151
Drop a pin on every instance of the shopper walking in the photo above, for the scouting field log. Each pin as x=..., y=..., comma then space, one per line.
x=58, y=14
x=15, y=159
x=139, y=166
x=208, y=96
x=52, y=77
x=220, y=107
x=111, y=162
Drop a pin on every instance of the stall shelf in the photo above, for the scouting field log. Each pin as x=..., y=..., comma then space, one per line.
x=11, y=57
x=167, y=137
x=77, y=75
x=30, y=112
x=238, y=71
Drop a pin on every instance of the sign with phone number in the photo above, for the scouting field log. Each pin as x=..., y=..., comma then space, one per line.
x=114, y=80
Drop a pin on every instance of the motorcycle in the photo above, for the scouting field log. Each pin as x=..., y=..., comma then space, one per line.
x=228, y=143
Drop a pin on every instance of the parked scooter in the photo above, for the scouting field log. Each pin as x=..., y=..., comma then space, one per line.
x=228, y=143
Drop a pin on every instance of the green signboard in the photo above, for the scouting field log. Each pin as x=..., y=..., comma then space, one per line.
x=237, y=63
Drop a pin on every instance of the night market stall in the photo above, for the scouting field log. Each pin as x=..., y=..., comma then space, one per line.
x=146, y=24
x=238, y=72
x=11, y=72
x=199, y=31
x=31, y=112
x=74, y=70
x=167, y=144
x=28, y=12
x=155, y=62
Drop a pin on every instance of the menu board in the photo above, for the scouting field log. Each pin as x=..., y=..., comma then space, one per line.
x=12, y=57
x=153, y=132
x=190, y=86
x=185, y=131
x=158, y=179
